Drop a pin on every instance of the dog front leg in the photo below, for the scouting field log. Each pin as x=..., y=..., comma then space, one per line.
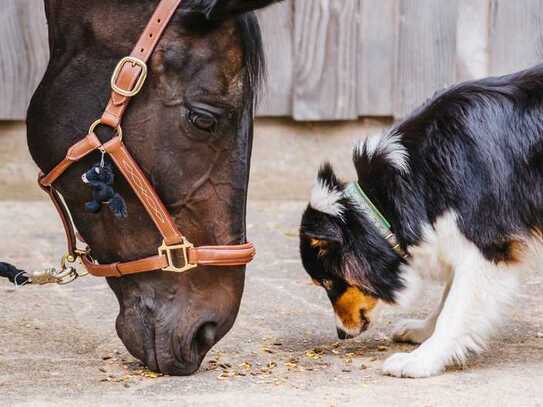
x=479, y=294
x=418, y=330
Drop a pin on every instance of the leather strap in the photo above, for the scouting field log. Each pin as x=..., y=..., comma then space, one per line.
x=203, y=256
x=144, y=190
x=123, y=269
x=79, y=150
x=144, y=48
x=222, y=255
x=129, y=75
x=63, y=214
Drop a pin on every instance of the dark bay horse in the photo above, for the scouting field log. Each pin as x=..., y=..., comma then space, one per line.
x=190, y=130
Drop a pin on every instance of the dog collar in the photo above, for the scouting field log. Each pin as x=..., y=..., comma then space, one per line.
x=359, y=197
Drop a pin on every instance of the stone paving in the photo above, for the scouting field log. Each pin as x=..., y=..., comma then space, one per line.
x=59, y=347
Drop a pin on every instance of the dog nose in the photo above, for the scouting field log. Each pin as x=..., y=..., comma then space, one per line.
x=341, y=334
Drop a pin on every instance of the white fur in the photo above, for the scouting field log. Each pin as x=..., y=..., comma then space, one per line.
x=471, y=310
x=413, y=286
x=326, y=199
x=417, y=331
x=390, y=146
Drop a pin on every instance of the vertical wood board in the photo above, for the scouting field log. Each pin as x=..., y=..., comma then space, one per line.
x=326, y=44
x=472, y=59
x=377, y=57
x=24, y=53
x=277, y=25
x=426, y=51
x=516, y=35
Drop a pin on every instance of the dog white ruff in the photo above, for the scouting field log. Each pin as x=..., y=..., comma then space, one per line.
x=477, y=294
x=325, y=199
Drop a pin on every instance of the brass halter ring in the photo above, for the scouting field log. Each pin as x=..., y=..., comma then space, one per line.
x=118, y=130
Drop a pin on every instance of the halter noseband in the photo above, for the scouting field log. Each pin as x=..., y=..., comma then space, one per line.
x=126, y=82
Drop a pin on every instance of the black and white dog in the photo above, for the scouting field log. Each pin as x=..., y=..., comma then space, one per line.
x=452, y=194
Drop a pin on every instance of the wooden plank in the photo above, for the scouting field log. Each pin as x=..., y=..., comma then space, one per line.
x=24, y=53
x=325, y=46
x=472, y=39
x=277, y=24
x=426, y=51
x=515, y=35
x=377, y=56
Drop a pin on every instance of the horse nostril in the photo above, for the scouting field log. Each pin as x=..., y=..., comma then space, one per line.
x=206, y=336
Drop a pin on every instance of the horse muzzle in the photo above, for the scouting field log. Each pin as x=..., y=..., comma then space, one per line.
x=177, y=354
x=167, y=321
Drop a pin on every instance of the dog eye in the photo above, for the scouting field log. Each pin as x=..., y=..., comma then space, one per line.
x=327, y=284
x=202, y=120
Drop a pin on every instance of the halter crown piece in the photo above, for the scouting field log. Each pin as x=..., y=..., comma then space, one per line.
x=356, y=194
x=176, y=254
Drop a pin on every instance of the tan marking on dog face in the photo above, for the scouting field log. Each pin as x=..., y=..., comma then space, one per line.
x=322, y=245
x=349, y=305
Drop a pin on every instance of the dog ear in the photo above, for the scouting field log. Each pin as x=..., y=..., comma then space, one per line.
x=327, y=195
x=221, y=9
x=321, y=232
x=328, y=177
x=324, y=244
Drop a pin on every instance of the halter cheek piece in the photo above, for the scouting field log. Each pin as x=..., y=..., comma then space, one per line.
x=176, y=254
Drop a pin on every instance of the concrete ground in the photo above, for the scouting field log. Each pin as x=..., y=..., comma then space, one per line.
x=58, y=345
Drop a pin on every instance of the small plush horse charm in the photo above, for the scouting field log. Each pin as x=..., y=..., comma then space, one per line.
x=100, y=178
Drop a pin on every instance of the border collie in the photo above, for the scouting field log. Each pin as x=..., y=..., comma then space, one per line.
x=452, y=194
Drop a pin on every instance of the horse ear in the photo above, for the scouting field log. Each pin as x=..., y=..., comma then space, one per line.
x=220, y=9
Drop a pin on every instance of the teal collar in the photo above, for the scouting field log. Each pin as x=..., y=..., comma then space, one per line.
x=359, y=197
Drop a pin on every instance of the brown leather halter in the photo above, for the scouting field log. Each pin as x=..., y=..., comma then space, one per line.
x=176, y=254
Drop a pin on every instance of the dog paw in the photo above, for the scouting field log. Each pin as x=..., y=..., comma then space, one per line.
x=411, y=331
x=413, y=365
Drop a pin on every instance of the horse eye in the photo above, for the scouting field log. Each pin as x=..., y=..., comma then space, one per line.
x=203, y=121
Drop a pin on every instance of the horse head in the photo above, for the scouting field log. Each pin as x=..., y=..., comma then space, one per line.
x=190, y=130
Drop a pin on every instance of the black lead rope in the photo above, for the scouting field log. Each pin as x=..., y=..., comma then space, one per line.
x=13, y=274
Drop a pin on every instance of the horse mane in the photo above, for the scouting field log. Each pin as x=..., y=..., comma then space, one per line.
x=254, y=60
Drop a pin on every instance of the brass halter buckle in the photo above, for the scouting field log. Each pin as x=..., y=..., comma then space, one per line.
x=168, y=251
x=65, y=275
x=141, y=78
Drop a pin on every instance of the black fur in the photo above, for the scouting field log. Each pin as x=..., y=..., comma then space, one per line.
x=370, y=264
x=475, y=149
x=220, y=9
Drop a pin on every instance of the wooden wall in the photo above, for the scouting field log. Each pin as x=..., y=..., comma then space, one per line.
x=23, y=54
x=348, y=58
x=334, y=59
